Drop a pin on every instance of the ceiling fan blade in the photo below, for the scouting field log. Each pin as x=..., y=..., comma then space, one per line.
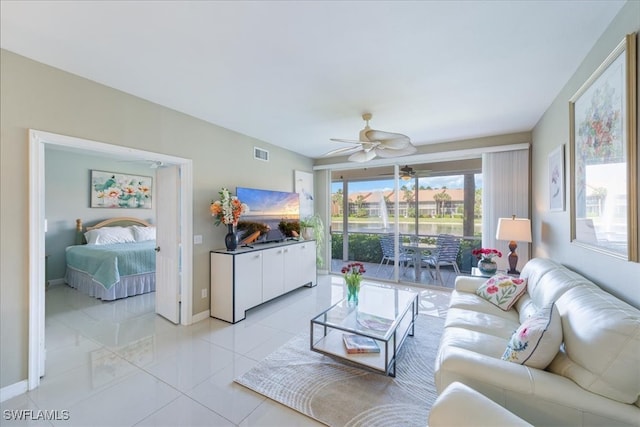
x=363, y=156
x=343, y=150
x=394, y=144
x=379, y=135
x=386, y=153
x=348, y=141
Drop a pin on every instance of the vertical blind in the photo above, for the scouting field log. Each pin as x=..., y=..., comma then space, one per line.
x=505, y=192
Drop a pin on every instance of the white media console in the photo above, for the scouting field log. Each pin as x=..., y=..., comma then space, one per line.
x=249, y=276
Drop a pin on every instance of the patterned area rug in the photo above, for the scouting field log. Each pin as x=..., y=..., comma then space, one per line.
x=341, y=395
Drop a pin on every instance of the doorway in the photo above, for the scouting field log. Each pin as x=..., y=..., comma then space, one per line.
x=37, y=142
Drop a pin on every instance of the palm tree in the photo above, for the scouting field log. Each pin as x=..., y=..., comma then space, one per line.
x=337, y=199
x=441, y=198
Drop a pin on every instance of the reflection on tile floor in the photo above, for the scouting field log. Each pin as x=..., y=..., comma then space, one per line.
x=118, y=364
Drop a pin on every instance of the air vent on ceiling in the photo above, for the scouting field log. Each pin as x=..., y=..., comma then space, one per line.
x=260, y=154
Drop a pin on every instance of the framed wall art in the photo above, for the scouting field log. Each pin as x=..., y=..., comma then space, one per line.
x=118, y=190
x=556, y=179
x=604, y=174
x=304, y=187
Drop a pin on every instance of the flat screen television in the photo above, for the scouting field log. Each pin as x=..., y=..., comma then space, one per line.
x=269, y=207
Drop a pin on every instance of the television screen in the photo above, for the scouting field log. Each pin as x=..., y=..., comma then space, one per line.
x=269, y=207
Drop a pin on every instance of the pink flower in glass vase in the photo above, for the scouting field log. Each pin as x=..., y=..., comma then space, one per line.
x=486, y=254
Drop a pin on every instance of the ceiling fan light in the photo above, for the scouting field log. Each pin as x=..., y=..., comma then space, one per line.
x=406, y=173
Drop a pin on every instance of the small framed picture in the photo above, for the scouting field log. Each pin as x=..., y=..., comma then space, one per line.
x=556, y=179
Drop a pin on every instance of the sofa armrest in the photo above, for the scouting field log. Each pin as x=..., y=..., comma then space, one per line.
x=458, y=364
x=534, y=391
x=469, y=283
x=460, y=405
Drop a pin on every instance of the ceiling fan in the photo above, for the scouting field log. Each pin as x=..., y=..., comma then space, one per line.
x=407, y=173
x=372, y=143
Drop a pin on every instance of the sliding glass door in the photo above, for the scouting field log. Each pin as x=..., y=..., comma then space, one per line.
x=391, y=222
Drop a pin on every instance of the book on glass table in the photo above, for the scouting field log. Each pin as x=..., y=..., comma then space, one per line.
x=359, y=344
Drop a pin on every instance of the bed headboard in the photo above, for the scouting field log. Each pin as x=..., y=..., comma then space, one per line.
x=122, y=221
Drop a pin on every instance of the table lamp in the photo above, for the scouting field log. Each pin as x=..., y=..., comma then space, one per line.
x=515, y=230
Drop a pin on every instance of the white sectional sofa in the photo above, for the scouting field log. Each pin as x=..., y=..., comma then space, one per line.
x=594, y=376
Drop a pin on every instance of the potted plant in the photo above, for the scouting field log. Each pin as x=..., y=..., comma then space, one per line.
x=312, y=228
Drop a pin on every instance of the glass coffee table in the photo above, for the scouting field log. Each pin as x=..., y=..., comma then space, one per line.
x=385, y=314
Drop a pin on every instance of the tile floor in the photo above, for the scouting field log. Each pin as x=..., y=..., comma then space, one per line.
x=118, y=364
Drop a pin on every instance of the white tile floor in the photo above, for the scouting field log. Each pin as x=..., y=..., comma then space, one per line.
x=118, y=364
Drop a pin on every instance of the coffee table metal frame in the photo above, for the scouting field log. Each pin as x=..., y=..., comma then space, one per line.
x=327, y=328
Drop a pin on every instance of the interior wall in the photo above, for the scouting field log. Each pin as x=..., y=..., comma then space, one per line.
x=67, y=197
x=551, y=230
x=40, y=97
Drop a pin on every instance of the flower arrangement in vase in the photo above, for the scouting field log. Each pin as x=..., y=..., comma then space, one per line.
x=485, y=256
x=352, y=277
x=227, y=211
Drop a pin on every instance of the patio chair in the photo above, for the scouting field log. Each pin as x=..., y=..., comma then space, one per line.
x=446, y=253
x=387, y=243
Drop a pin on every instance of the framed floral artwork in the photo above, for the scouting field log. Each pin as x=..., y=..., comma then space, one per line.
x=117, y=190
x=604, y=175
x=556, y=179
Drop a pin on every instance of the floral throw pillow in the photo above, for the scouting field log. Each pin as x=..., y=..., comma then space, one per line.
x=502, y=290
x=537, y=341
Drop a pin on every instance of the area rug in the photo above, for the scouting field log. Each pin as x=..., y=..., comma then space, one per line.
x=337, y=394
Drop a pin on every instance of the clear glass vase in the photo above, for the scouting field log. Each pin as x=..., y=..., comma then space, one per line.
x=487, y=266
x=353, y=288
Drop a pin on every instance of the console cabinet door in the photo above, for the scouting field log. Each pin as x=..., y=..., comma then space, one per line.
x=273, y=273
x=299, y=265
x=248, y=282
x=308, y=263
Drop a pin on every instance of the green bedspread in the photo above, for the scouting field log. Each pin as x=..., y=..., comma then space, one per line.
x=107, y=263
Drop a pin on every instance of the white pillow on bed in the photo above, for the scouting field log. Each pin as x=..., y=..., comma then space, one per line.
x=142, y=234
x=109, y=235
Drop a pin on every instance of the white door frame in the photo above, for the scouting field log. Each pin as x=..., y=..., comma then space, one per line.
x=37, y=142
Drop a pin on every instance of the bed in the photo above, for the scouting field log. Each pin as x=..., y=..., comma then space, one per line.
x=113, y=259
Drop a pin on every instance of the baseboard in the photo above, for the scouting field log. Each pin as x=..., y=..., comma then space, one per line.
x=56, y=282
x=200, y=316
x=13, y=390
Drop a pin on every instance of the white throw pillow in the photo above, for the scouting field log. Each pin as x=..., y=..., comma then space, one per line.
x=109, y=235
x=502, y=290
x=142, y=234
x=537, y=341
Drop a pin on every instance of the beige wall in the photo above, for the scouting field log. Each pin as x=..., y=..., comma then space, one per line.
x=551, y=230
x=40, y=97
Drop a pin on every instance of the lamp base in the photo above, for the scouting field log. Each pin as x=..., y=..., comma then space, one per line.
x=513, y=258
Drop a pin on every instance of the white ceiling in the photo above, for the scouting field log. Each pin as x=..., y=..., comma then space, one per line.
x=296, y=73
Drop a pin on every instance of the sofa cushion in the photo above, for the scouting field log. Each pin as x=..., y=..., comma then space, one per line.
x=601, y=350
x=478, y=342
x=502, y=290
x=473, y=302
x=500, y=324
x=536, y=342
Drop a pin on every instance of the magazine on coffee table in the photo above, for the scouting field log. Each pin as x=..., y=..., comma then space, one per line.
x=359, y=344
x=373, y=322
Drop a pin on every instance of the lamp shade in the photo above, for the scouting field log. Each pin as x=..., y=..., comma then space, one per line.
x=516, y=229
